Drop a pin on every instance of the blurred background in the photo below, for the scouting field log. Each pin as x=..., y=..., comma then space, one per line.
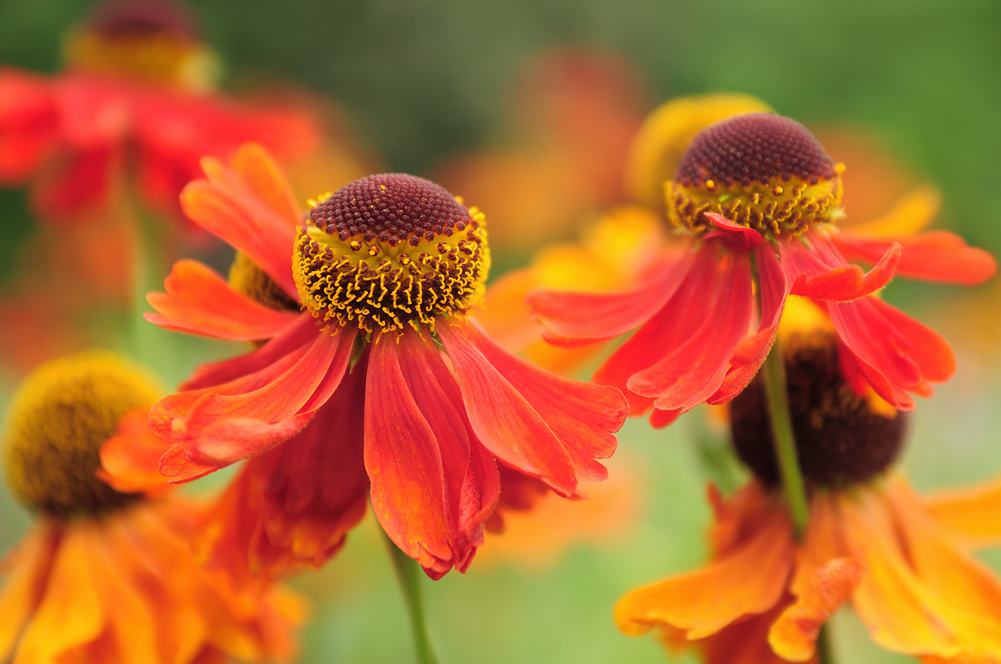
x=526, y=109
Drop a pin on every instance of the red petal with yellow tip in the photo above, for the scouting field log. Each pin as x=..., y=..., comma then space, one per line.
x=894, y=352
x=936, y=256
x=199, y=301
x=821, y=272
x=574, y=319
x=551, y=427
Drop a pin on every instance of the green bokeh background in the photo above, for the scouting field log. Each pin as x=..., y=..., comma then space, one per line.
x=424, y=80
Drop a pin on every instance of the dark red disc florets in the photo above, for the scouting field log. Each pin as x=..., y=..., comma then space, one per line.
x=757, y=147
x=391, y=208
x=143, y=18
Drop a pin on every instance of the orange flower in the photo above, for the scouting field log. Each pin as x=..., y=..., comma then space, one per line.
x=757, y=198
x=134, y=99
x=871, y=539
x=105, y=576
x=423, y=402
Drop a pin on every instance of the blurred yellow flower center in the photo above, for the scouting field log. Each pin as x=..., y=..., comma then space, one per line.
x=759, y=170
x=56, y=425
x=151, y=41
x=247, y=278
x=390, y=250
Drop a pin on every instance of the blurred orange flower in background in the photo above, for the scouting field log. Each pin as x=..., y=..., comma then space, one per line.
x=105, y=576
x=577, y=112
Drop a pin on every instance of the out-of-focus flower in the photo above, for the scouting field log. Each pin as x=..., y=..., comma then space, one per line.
x=134, y=101
x=871, y=539
x=578, y=111
x=106, y=576
x=757, y=198
x=386, y=270
x=614, y=252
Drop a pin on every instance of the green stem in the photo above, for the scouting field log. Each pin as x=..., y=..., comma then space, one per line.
x=825, y=652
x=409, y=574
x=774, y=375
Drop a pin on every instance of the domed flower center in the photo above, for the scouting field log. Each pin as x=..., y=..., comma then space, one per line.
x=841, y=438
x=153, y=41
x=58, y=421
x=390, y=250
x=758, y=170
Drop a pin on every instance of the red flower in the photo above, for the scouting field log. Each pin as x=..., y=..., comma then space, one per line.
x=128, y=103
x=384, y=361
x=758, y=196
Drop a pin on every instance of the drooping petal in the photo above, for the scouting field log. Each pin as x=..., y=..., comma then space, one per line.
x=695, y=368
x=404, y=464
x=936, y=256
x=130, y=461
x=793, y=635
x=750, y=354
x=748, y=580
x=301, y=332
x=471, y=479
x=293, y=506
x=25, y=581
x=220, y=425
x=678, y=321
x=545, y=425
x=895, y=353
x=582, y=318
x=28, y=123
x=973, y=513
x=199, y=301
x=733, y=236
x=918, y=596
x=71, y=612
x=235, y=204
x=820, y=271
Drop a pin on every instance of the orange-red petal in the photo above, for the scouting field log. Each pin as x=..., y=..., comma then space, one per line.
x=936, y=256
x=199, y=301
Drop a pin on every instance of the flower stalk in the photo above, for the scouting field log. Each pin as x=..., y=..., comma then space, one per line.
x=408, y=573
x=777, y=396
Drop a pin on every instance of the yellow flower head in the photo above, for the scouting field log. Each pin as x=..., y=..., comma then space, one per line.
x=55, y=427
x=153, y=41
x=661, y=142
x=760, y=170
x=391, y=250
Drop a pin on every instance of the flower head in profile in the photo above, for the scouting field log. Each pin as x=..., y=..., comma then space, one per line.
x=871, y=539
x=617, y=250
x=757, y=200
x=106, y=574
x=135, y=96
x=382, y=379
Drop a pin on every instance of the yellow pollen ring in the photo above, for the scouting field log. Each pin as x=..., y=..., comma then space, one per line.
x=779, y=208
x=381, y=288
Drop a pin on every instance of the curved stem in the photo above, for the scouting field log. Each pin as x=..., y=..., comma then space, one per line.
x=409, y=574
x=774, y=374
